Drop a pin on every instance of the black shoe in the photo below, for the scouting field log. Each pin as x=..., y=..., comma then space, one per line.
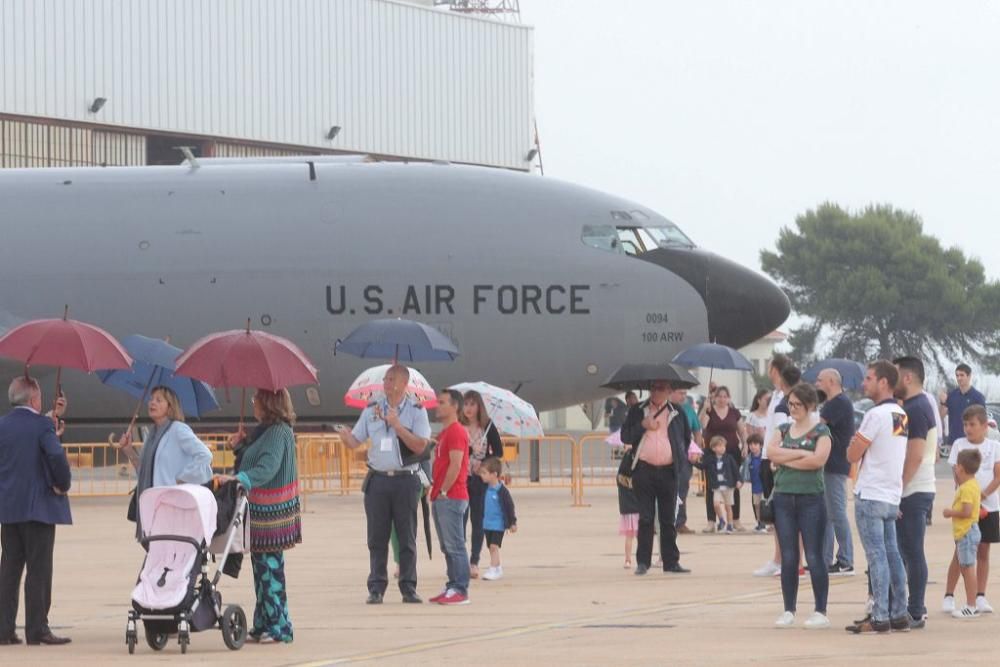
x=901, y=624
x=9, y=641
x=412, y=598
x=49, y=639
x=841, y=570
x=676, y=569
x=866, y=619
x=641, y=570
x=870, y=626
x=918, y=623
x=374, y=598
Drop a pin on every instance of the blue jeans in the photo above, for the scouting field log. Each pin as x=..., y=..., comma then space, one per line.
x=801, y=514
x=837, y=523
x=449, y=520
x=910, y=529
x=876, y=521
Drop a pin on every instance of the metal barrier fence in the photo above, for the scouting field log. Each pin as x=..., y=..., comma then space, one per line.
x=326, y=465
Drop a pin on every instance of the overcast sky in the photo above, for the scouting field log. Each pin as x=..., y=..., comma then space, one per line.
x=730, y=118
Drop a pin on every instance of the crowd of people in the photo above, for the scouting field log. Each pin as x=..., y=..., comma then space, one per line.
x=796, y=450
x=463, y=482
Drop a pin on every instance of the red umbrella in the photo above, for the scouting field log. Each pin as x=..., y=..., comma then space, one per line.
x=64, y=343
x=245, y=358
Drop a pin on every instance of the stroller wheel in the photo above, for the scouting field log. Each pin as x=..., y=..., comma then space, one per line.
x=130, y=641
x=234, y=627
x=156, y=640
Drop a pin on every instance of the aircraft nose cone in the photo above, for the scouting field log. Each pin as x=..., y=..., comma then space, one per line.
x=742, y=305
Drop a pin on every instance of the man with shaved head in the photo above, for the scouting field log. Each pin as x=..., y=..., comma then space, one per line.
x=397, y=427
x=838, y=414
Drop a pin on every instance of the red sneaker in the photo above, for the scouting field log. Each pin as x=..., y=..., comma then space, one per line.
x=454, y=597
x=440, y=596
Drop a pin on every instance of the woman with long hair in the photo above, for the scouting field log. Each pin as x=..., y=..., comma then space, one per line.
x=722, y=419
x=484, y=443
x=268, y=469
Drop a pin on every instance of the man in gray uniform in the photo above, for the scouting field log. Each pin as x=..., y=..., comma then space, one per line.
x=391, y=489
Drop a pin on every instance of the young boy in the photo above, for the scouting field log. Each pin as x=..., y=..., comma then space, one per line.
x=974, y=423
x=498, y=514
x=722, y=475
x=963, y=513
x=751, y=473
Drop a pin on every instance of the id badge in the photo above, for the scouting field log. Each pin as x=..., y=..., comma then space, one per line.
x=386, y=445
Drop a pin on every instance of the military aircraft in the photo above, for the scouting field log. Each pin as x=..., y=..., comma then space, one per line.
x=546, y=287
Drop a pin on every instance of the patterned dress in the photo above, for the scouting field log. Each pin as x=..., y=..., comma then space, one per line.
x=269, y=469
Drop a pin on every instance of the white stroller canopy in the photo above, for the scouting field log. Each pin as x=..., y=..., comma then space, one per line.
x=187, y=510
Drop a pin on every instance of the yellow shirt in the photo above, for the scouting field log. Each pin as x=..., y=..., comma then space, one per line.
x=968, y=492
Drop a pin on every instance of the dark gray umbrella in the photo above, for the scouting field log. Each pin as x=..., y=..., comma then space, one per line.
x=400, y=340
x=642, y=376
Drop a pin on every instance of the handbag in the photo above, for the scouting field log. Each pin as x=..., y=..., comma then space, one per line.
x=132, y=512
x=767, y=509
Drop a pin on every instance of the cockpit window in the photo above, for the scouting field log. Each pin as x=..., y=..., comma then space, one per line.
x=631, y=238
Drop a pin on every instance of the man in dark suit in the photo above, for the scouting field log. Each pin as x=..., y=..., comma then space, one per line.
x=34, y=479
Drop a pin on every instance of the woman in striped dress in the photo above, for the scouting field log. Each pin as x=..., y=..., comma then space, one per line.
x=269, y=470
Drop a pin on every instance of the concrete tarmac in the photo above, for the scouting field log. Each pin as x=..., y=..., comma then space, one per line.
x=565, y=599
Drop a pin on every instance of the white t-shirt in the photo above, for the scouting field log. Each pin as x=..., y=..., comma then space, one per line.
x=990, y=451
x=881, y=473
x=923, y=480
x=774, y=419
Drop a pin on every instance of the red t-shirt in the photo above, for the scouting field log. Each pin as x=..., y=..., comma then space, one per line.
x=452, y=439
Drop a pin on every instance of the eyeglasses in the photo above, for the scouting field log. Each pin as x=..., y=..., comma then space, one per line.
x=795, y=404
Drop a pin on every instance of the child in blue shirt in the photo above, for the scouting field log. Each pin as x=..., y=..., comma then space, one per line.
x=498, y=514
x=751, y=473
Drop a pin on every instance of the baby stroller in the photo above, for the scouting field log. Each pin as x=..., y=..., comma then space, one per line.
x=174, y=594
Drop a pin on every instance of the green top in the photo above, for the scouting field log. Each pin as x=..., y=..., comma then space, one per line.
x=790, y=480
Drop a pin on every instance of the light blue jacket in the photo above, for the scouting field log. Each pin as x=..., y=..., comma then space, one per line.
x=181, y=457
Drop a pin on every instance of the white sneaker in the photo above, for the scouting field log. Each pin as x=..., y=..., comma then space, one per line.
x=786, y=620
x=817, y=621
x=983, y=605
x=948, y=604
x=768, y=569
x=493, y=573
x=965, y=612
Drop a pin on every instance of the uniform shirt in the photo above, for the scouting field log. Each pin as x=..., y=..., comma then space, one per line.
x=838, y=414
x=655, y=448
x=886, y=431
x=967, y=492
x=957, y=402
x=989, y=450
x=920, y=415
x=774, y=418
x=384, y=453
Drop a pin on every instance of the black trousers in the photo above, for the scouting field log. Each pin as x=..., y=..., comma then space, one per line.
x=392, y=501
x=656, y=487
x=28, y=546
x=477, y=501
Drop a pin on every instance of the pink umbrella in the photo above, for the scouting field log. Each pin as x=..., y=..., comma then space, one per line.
x=64, y=343
x=245, y=358
x=368, y=387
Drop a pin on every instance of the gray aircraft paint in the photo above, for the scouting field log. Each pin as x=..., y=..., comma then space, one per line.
x=181, y=252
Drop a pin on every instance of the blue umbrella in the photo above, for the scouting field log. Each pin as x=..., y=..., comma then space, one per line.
x=153, y=365
x=852, y=373
x=713, y=355
x=399, y=340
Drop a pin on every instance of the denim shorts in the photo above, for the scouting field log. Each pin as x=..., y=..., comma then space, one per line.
x=967, y=546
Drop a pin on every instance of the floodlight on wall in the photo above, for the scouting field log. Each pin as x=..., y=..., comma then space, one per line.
x=97, y=104
x=333, y=132
x=532, y=154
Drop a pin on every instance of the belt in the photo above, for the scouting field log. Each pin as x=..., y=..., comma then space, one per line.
x=647, y=463
x=391, y=473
